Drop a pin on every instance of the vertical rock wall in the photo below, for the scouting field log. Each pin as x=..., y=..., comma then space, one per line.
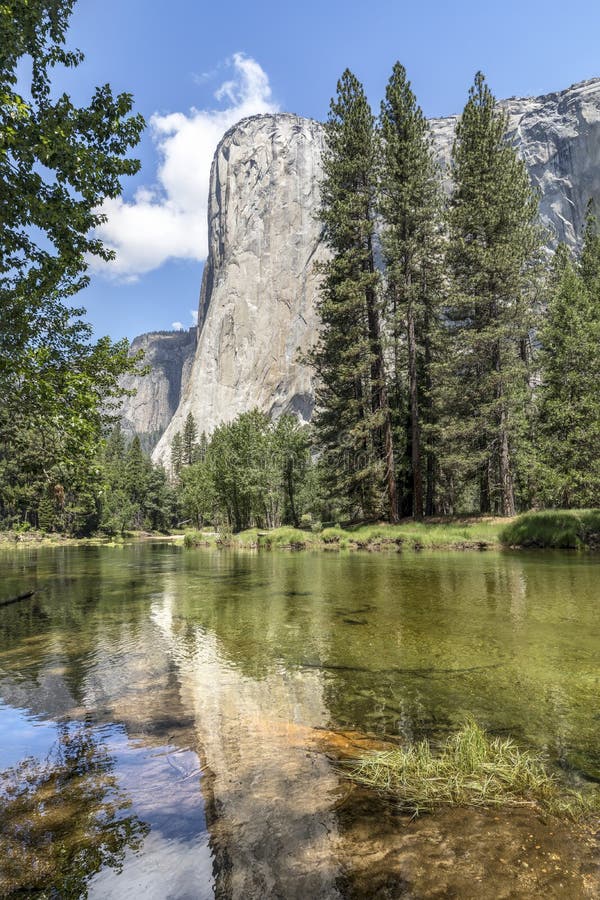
x=257, y=307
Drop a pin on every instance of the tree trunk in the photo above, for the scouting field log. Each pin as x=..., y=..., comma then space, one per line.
x=415, y=424
x=379, y=396
x=430, y=463
x=507, y=493
x=484, y=490
x=290, y=490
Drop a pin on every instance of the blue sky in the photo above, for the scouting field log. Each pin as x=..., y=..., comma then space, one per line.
x=195, y=67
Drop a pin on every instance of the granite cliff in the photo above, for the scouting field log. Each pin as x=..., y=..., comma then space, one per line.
x=257, y=305
x=558, y=136
x=169, y=356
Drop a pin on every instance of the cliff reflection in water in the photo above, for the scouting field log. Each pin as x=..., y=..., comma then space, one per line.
x=209, y=690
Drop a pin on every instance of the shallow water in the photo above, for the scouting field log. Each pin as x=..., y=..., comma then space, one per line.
x=167, y=716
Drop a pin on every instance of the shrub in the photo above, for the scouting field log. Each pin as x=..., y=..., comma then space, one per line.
x=568, y=528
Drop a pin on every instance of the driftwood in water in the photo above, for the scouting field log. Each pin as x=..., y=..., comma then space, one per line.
x=24, y=596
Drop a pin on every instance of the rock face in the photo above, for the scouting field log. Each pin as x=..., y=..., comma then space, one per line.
x=169, y=356
x=257, y=306
x=558, y=136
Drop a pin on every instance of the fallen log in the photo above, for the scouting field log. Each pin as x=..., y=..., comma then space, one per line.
x=16, y=599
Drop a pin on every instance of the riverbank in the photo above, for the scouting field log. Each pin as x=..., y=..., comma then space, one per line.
x=460, y=534
x=12, y=539
x=544, y=529
x=575, y=529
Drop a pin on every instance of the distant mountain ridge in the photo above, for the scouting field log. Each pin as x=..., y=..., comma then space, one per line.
x=169, y=356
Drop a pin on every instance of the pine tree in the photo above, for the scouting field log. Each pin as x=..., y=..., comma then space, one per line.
x=494, y=241
x=569, y=403
x=176, y=453
x=190, y=433
x=410, y=206
x=137, y=474
x=590, y=253
x=353, y=424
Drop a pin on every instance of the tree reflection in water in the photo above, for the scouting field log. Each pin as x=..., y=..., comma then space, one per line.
x=64, y=819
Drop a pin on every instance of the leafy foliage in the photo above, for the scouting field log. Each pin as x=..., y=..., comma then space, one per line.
x=251, y=471
x=64, y=819
x=58, y=162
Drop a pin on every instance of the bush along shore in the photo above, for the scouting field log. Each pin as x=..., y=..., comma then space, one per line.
x=561, y=529
x=572, y=529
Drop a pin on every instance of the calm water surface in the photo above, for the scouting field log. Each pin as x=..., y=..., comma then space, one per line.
x=158, y=706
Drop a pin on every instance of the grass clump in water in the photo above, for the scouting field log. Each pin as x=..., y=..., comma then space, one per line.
x=557, y=528
x=470, y=768
x=196, y=538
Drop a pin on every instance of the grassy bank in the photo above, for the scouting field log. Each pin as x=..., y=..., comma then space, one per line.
x=457, y=534
x=562, y=529
x=558, y=529
x=470, y=768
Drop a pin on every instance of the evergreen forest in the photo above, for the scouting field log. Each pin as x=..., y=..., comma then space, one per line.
x=458, y=358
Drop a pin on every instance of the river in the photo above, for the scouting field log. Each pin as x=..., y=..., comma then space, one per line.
x=171, y=720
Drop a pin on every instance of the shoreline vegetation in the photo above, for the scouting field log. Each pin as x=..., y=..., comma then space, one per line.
x=544, y=529
x=538, y=529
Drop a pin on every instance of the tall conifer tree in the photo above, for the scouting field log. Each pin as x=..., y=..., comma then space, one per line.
x=410, y=207
x=190, y=433
x=494, y=241
x=352, y=421
x=569, y=402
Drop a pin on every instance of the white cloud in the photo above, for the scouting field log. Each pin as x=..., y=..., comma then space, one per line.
x=168, y=220
x=177, y=326
x=194, y=315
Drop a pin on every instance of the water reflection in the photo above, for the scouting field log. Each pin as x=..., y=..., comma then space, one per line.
x=64, y=819
x=212, y=682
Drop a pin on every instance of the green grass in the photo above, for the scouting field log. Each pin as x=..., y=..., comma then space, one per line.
x=549, y=528
x=469, y=769
x=415, y=535
x=286, y=536
x=574, y=528
x=197, y=538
